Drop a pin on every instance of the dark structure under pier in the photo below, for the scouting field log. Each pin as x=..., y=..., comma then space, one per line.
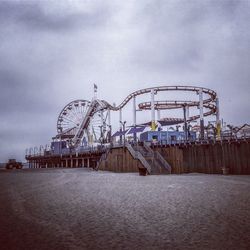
x=87, y=159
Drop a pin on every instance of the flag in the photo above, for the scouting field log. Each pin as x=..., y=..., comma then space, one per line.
x=95, y=87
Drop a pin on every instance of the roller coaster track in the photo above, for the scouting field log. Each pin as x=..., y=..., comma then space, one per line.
x=212, y=94
x=179, y=104
x=97, y=105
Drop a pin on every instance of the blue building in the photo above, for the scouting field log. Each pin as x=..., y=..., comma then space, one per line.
x=166, y=137
x=58, y=147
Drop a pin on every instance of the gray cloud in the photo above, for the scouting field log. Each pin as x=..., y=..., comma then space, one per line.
x=35, y=16
x=181, y=36
x=51, y=52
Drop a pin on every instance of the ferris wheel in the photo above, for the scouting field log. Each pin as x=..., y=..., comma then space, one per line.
x=71, y=117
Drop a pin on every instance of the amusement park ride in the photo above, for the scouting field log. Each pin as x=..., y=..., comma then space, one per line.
x=84, y=135
x=88, y=123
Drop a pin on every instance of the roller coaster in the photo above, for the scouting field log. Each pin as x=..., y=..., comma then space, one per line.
x=84, y=134
x=85, y=122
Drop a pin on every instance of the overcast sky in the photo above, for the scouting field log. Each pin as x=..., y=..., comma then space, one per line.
x=51, y=52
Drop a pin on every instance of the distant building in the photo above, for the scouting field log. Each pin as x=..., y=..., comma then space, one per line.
x=59, y=147
x=166, y=137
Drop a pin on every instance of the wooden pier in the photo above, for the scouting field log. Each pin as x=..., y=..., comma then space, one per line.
x=74, y=160
x=229, y=156
x=217, y=157
x=209, y=158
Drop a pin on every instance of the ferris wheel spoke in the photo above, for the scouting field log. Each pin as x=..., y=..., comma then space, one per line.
x=76, y=112
x=70, y=121
x=73, y=114
x=66, y=124
x=84, y=109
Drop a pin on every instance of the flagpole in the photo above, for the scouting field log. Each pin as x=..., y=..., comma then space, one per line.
x=95, y=91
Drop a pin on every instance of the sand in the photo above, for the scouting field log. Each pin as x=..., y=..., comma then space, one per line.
x=85, y=209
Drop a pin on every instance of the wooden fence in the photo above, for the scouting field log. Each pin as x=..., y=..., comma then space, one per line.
x=209, y=158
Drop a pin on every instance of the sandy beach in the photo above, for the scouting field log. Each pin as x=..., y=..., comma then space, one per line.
x=85, y=209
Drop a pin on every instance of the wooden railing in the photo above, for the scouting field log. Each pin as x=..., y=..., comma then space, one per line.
x=137, y=155
x=158, y=156
x=163, y=162
x=103, y=158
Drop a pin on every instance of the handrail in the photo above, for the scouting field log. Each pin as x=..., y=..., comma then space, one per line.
x=144, y=162
x=131, y=150
x=139, y=156
x=158, y=156
x=149, y=149
x=145, y=153
x=163, y=161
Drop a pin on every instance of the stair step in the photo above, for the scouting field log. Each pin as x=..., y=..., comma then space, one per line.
x=156, y=162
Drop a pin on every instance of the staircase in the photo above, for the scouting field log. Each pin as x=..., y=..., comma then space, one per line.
x=153, y=161
x=161, y=166
x=138, y=155
x=103, y=158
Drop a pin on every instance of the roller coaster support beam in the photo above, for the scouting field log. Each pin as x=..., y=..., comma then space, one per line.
x=218, y=123
x=201, y=114
x=134, y=117
x=158, y=114
x=123, y=129
x=153, y=125
x=109, y=126
x=187, y=113
x=185, y=121
x=120, y=119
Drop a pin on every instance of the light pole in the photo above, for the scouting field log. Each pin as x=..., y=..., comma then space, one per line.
x=189, y=127
x=200, y=92
x=123, y=128
x=231, y=128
